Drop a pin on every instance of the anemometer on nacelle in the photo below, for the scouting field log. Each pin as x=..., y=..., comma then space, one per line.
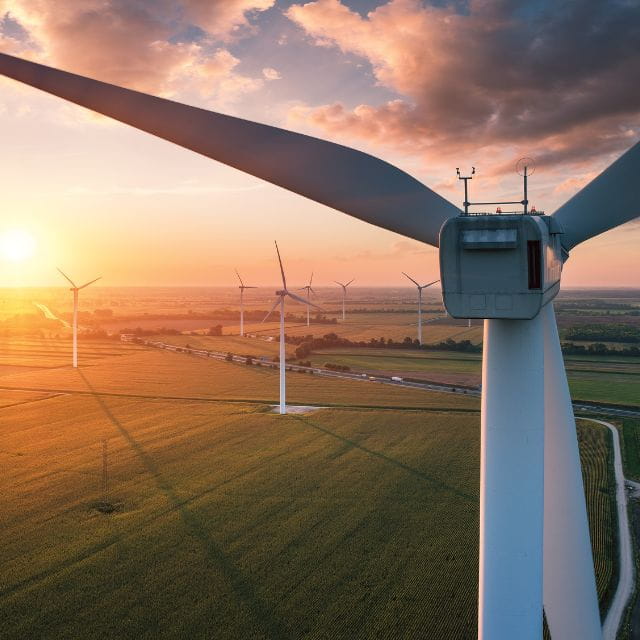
x=500, y=265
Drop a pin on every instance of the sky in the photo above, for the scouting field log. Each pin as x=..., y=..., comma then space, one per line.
x=427, y=86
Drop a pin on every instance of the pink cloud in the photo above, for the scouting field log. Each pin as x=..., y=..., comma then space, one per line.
x=134, y=44
x=554, y=84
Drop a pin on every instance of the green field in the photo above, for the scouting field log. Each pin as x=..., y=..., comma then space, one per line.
x=233, y=522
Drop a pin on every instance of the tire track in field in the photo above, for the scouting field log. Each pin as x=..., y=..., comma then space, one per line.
x=269, y=403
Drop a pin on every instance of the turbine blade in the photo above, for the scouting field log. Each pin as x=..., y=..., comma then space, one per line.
x=606, y=202
x=67, y=277
x=569, y=588
x=275, y=304
x=339, y=283
x=348, y=283
x=345, y=179
x=312, y=291
x=410, y=278
x=248, y=287
x=284, y=280
x=311, y=279
x=425, y=286
x=90, y=282
x=300, y=299
x=239, y=278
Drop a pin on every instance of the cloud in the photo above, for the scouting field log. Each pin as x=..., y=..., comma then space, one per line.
x=501, y=78
x=224, y=19
x=271, y=74
x=138, y=44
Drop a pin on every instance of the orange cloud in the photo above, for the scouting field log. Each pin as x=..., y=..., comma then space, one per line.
x=135, y=45
x=554, y=84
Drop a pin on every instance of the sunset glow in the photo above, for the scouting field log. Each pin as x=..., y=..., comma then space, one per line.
x=17, y=245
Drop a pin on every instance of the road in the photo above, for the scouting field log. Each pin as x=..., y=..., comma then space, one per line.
x=427, y=386
x=626, y=580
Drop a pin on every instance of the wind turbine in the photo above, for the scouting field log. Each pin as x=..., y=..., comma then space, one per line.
x=420, y=288
x=282, y=294
x=344, y=294
x=242, y=287
x=532, y=508
x=75, y=290
x=309, y=291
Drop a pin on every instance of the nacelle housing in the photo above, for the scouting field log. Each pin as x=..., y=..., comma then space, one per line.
x=499, y=265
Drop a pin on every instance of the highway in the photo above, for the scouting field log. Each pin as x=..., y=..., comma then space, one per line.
x=399, y=382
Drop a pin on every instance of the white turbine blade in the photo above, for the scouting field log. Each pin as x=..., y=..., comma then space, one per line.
x=606, y=202
x=425, y=286
x=300, y=299
x=284, y=280
x=311, y=280
x=410, y=278
x=312, y=291
x=569, y=593
x=348, y=283
x=340, y=284
x=275, y=304
x=73, y=284
x=246, y=286
x=342, y=178
x=239, y=278
x=90, y=282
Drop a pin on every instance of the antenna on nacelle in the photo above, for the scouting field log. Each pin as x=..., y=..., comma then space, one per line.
x=524, y=167
x=466, y=187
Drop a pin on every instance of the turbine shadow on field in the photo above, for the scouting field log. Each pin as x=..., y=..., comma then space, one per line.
x=352, y=444
x=264, y=618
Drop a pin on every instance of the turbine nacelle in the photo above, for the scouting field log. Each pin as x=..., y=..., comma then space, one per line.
x=499, y=266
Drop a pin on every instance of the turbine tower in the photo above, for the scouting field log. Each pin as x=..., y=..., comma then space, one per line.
x=75, y=290
x=420, y=288
x=282, y=294
x=242, y=287
x=532, y=508
x=309, y=291
x=344, y=294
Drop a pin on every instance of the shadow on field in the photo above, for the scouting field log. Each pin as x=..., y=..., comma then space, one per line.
x=352, y=444
x=263, y=617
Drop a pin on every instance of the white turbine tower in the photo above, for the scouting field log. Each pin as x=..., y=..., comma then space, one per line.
x=309, y=289
x=75, y=290
x=420, y=288
x=242, y=287
x=344, y=294
x=532, y=506
x=282, y=294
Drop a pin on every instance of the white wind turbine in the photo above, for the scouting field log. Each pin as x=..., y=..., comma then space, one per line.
x=532, y=507
x=309, y=289
x=282, y=294
x=420, y=288
x=344, y=294
x=75, y=290
x=242, y=287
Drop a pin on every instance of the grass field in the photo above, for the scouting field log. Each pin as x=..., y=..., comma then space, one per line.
x=233, y=522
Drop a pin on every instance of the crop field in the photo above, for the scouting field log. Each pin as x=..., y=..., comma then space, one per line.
x=233, y=521
x=596, y=455
x=160, y=374
x=49, y=353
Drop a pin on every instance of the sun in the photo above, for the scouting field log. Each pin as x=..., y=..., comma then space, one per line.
x=17, y=245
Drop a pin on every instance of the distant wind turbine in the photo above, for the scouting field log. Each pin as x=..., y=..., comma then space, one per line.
x=420, y=288
x=242, y=287
x=344, y=294
x=75, y=290
x=282, y=294
x=309, y=291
